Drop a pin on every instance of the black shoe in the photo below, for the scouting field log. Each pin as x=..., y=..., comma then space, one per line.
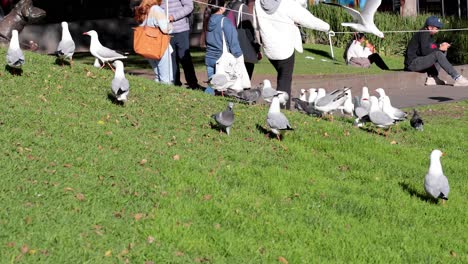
x=197, y=87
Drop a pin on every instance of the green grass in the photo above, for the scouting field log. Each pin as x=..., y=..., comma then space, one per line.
x=86, y=181
x=303, y=65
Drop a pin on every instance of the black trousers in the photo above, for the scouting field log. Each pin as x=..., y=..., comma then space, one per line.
x=180, y=43
x=375, y=58
x=284, y=69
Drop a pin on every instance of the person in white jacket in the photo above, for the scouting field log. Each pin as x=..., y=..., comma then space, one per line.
x=363, y=56
x=280, y=35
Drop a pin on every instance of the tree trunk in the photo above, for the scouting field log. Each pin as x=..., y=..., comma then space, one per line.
x=408, y=8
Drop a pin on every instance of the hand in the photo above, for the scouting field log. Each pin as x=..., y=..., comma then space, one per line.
x=259, y=55
x=444, y=46
x=171, y=18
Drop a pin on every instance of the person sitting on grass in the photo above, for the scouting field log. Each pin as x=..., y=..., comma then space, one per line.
x=363, y=56
x=423, y=54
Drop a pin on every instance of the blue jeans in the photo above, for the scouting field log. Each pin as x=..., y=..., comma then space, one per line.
x=210, y=71
x=180, y=42
x=431, y=63
x=162, y=68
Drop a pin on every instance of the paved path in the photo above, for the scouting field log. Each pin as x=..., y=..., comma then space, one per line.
x=406, y=89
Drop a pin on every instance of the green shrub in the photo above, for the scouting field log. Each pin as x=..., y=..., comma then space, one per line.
x=394, y=42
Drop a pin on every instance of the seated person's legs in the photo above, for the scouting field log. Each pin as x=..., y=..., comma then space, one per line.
x=375, y=58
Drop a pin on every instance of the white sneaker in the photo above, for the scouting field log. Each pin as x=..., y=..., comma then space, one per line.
x=434, y=81
x=461, y=81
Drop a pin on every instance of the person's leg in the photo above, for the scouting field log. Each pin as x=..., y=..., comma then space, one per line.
x=164, y=69
x=184, y=57
x=174, y=59
x=210, y=71
x=426, y=62
x=285, y=69
x=375, y=58
x=250, y=68
x=154, y=65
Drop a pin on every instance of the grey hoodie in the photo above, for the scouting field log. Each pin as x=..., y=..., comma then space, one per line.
x=270, y=6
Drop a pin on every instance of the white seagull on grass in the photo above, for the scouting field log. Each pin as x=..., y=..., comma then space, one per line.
x=363, y=21
x=276, y=120
x=436, y=183
x=15, y=56
x=102, y=53
x=120, y=84
x=66, y=46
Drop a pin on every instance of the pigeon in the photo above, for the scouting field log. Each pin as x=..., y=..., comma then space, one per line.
x=363, y=21
x=416, y=121
x=249, y=96
x=386, y=106
x=268, y=93
x=120, y=84
x=331, y=101
x=66, y=46
x=436, y=183
x=377, y=116
x=276, y=120
x=15, y=56
x=226, y=118
x=102, y=53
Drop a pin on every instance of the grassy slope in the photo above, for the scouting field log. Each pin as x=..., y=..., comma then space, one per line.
x=75, y=187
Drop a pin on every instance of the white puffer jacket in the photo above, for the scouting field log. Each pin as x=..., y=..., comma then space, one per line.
x=280, y=35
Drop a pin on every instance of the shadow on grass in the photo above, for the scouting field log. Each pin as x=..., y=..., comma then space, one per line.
x=266, y=132
x=62, y=63
x=14, y=71
x=114, y=100
x=411, y=191
x=440, y=98
x=320, y=53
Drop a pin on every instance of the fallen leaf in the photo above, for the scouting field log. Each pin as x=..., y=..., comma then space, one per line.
x=24, y=249
x=11, y=244
x=217, y=226
x=32, y=251
x=393, y=142
x=124, y=252
x=283, y=260
x=452, y=253
x=68, y=189
x=108, y=253
x=80, y=196
x=176, y=157
x=100, y=122
x=207, y=197
x=179, y=253
x=28, y=220
x=143, y=162
x=150, y=239
x=67, y=165
x=138, y=216
x=325, y=134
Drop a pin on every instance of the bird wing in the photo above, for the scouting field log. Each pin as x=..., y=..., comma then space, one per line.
x=369, y=9
x=268, y=93
x=277, y=121
x=353, y=12
x=66, y=47
x=380, y=118
x=107, y=53
x=121, y=84
x=15, y=57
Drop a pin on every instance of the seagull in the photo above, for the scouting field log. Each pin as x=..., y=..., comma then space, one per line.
x=348, y=105
x=226, y=118
x=416, y=121
x=268, y=93
x=66, y=46
x=96, y=63
x=220, y=82
x=364, y=100
x=312, y=95
x=306, y=107
x=377, y=117
x=436, y=183
x=386, y=106
x=331, y=101
x=15, y=56
x=276, y=120
x=303, y=96
x=360, y=112
x=102, y=53
x=320, y=93
x=120, y=84
x=363, y=21
x=249, y=96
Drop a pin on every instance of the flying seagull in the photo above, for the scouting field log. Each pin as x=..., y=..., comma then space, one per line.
x=120, y=85
x=416, y=121
x=276, y=120
x=226, y=118
x=15, y=56
x=102, y=53
x=363, y=21
x=436, y=183
x=66, y=46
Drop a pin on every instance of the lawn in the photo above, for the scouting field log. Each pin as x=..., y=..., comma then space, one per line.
x=84, y=180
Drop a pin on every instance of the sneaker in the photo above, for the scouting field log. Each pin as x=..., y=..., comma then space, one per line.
x=461, y=81
x=434, y=81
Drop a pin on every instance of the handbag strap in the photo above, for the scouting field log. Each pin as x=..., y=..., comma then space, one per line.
x=239, y=15
x=224, y=39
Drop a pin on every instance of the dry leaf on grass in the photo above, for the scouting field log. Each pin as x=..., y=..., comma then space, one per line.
x=176, y=157
x=207, y=197
x=80, y=197
x=138, y=216
x=150, y=240
x=283, y=260
x=24, y=249
x=108, y=253
x=143, y=162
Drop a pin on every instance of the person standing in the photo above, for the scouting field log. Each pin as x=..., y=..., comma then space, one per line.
x=280, y=35
x=423, y=54
x=150, y=13
x=179, y=14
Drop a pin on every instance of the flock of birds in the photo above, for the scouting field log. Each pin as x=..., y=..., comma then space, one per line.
x=120, y=86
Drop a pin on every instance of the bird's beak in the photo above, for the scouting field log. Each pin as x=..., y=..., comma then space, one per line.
x=85, y=33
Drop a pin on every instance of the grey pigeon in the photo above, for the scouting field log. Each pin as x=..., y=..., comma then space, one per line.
x=436, y=183
x=120, y=84
x=226, y=118
x=104, y=54
x=249, y=96
x=66, y=46
x=276, y=120
x=15, y=56
x=416, y=121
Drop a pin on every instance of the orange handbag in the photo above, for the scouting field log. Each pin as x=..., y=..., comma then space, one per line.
x=150, y=42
